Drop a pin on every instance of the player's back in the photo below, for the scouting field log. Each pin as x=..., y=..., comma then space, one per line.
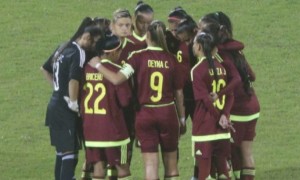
x=102, y=104
x=154, y=75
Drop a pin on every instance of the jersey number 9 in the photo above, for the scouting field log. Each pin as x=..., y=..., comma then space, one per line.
x=156, y=84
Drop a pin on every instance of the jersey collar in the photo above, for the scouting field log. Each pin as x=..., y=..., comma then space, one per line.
x=154, y=48
x=143, y=38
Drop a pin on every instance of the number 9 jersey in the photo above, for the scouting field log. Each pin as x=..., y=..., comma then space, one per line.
x=101, y=108
x=156, y=76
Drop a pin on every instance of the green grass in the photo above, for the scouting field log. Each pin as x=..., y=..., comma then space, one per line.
x=31, y=29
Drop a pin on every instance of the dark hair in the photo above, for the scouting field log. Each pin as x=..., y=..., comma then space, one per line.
x=177, y=13
x=86, y=22
x=224, y=22
x=103, y=24
x=157, y=30
x=142, y=7
x=225, y=34
x=107, y=44
x=187, y=25
x=208, y=43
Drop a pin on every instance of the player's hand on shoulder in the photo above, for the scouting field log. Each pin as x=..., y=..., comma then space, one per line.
x=73, y=105
x=94, y=61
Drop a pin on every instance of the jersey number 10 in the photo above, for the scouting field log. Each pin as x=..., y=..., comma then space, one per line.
x=216, y=87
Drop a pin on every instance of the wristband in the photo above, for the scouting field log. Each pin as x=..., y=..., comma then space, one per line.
x=127, y=70
x=182, y=120
x=97, y=65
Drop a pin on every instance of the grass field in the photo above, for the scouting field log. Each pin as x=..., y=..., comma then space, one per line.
x=31, y=29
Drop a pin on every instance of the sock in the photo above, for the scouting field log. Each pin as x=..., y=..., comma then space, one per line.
x=125, y=178
x=112, y=172
x=175, y=177
x=98, y=178
x=87, y=172
x=69, y=162
x=236, y=162
x=223, y=167
x=248, y=173
x=196, y=172
x=57, y=167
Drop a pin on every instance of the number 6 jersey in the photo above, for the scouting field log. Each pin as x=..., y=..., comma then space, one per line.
x=101, y=106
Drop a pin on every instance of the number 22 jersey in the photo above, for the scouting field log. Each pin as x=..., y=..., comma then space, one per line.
x=101, y=106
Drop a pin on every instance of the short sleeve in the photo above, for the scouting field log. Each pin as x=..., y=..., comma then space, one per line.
x=76, y=65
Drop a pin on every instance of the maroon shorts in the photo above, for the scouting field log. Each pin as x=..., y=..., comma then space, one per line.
x=157, y=126
x=212, y=148
x=111, y=155
x=245, y=131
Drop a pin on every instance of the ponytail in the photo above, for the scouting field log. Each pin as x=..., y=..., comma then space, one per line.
x=157, y=31
x=86, y=22
x=208, y=43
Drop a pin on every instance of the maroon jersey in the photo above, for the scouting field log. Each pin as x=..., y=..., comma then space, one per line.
x=139, y=42
x=156, y=75
x=207, y=113
x=245, y=107
x=101, y=108
x=128, y=46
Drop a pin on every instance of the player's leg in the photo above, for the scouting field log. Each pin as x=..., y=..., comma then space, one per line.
x=168, y=125
x=236, y=155
x=248, y=170
x=222, y=155
x=96, y=157
x=118, y=157
x=99, y=170
x=170, y=165
x=57, y=168
x=202, y=152
x=69, y=163
x=87, y=171
x=148, y=136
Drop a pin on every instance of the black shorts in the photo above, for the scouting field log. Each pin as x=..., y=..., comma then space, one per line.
x=65, y=140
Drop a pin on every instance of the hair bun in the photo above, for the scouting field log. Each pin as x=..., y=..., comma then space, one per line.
x=139, y=3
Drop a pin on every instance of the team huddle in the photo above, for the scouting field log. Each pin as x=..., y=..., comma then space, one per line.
x=132, y=81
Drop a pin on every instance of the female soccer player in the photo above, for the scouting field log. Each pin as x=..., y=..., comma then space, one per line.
x=181, y=23
x=143, y=16
x=210, y=135
x=64, y=68
x=104, y=127
x=158, y=83
x=245, y=110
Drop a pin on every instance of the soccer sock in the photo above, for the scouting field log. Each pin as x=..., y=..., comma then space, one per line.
x=69, y=162
x=236, y=161
x=175, y=177
x=57, y=168
x=196, y=171
x=125, y=178
x=112, y=172
x=222, y=167
x=87, y=172
x=98, y=178
x=248, y=173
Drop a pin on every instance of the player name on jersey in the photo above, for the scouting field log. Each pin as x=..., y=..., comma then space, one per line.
x=94, y=76
x=220, y=71
x=157, y=64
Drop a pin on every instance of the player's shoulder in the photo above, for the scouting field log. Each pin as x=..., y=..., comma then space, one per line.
x=137, y=53
x=111, y=65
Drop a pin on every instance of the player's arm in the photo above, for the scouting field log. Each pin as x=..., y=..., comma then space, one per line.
x=233, y=78
x=115, y=78
x=179, y=99
x=47, y=75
